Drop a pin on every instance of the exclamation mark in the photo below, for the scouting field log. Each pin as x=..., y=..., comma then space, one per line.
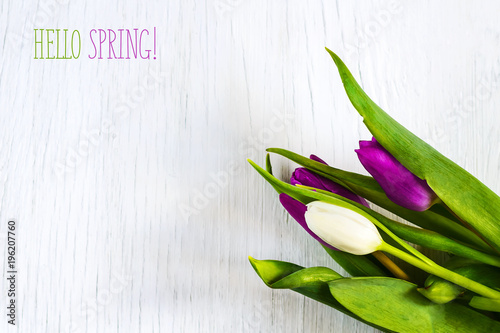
x=154, y=51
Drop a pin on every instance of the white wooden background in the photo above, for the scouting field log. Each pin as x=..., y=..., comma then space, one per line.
x=100, y=159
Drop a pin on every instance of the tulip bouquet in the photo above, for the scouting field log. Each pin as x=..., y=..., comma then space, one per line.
x=451, y=211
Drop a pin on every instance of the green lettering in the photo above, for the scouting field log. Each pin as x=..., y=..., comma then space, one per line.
x=39, y=42
x=49, y=42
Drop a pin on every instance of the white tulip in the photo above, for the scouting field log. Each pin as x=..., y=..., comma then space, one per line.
x=343, y=228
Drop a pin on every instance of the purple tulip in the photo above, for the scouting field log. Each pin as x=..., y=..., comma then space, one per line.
x=298, y=210
x=306, y=177
x=399, y=184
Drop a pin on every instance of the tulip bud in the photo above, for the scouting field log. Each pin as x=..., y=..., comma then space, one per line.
x=443, y=291
x=400, y=185
x=306, y=177
x=297, y=210
x=342, y=228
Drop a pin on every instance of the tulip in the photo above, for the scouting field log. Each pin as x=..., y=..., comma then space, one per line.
x=297, y=210
x=343, y=228
x=306, y=177
x=399, y=184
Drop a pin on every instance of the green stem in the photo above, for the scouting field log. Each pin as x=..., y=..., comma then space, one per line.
x=406, y=246
x=435, y=241
x=442, y=272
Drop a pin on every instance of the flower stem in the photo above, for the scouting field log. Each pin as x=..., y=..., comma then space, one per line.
x=391, y=266
x=442, y=272
x=401, y=242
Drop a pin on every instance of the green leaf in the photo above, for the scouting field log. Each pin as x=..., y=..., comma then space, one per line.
x=269, y=167
x=279, y=186
x=284, y=275
x=398, y=306
x=271, y=271
x=311, y=282
x=369, y=189
x=470, y=199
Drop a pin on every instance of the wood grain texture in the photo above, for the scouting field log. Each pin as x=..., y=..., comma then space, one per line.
x=101, y=159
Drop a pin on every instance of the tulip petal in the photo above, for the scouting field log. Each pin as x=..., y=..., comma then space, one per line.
x=343, y=228
x=366, y=144
x=353, y=264
x=298, y=210
x=317, y=159
x=306, y=177
x=400, y=185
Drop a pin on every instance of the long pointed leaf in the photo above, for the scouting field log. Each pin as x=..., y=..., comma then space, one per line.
x=311, y=282
x=470, y=199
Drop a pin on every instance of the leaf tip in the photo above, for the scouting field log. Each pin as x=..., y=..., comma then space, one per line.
x=261, y=271
x=252, y=261
x=252, y=163
x=269, y=167
x=334, y=56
